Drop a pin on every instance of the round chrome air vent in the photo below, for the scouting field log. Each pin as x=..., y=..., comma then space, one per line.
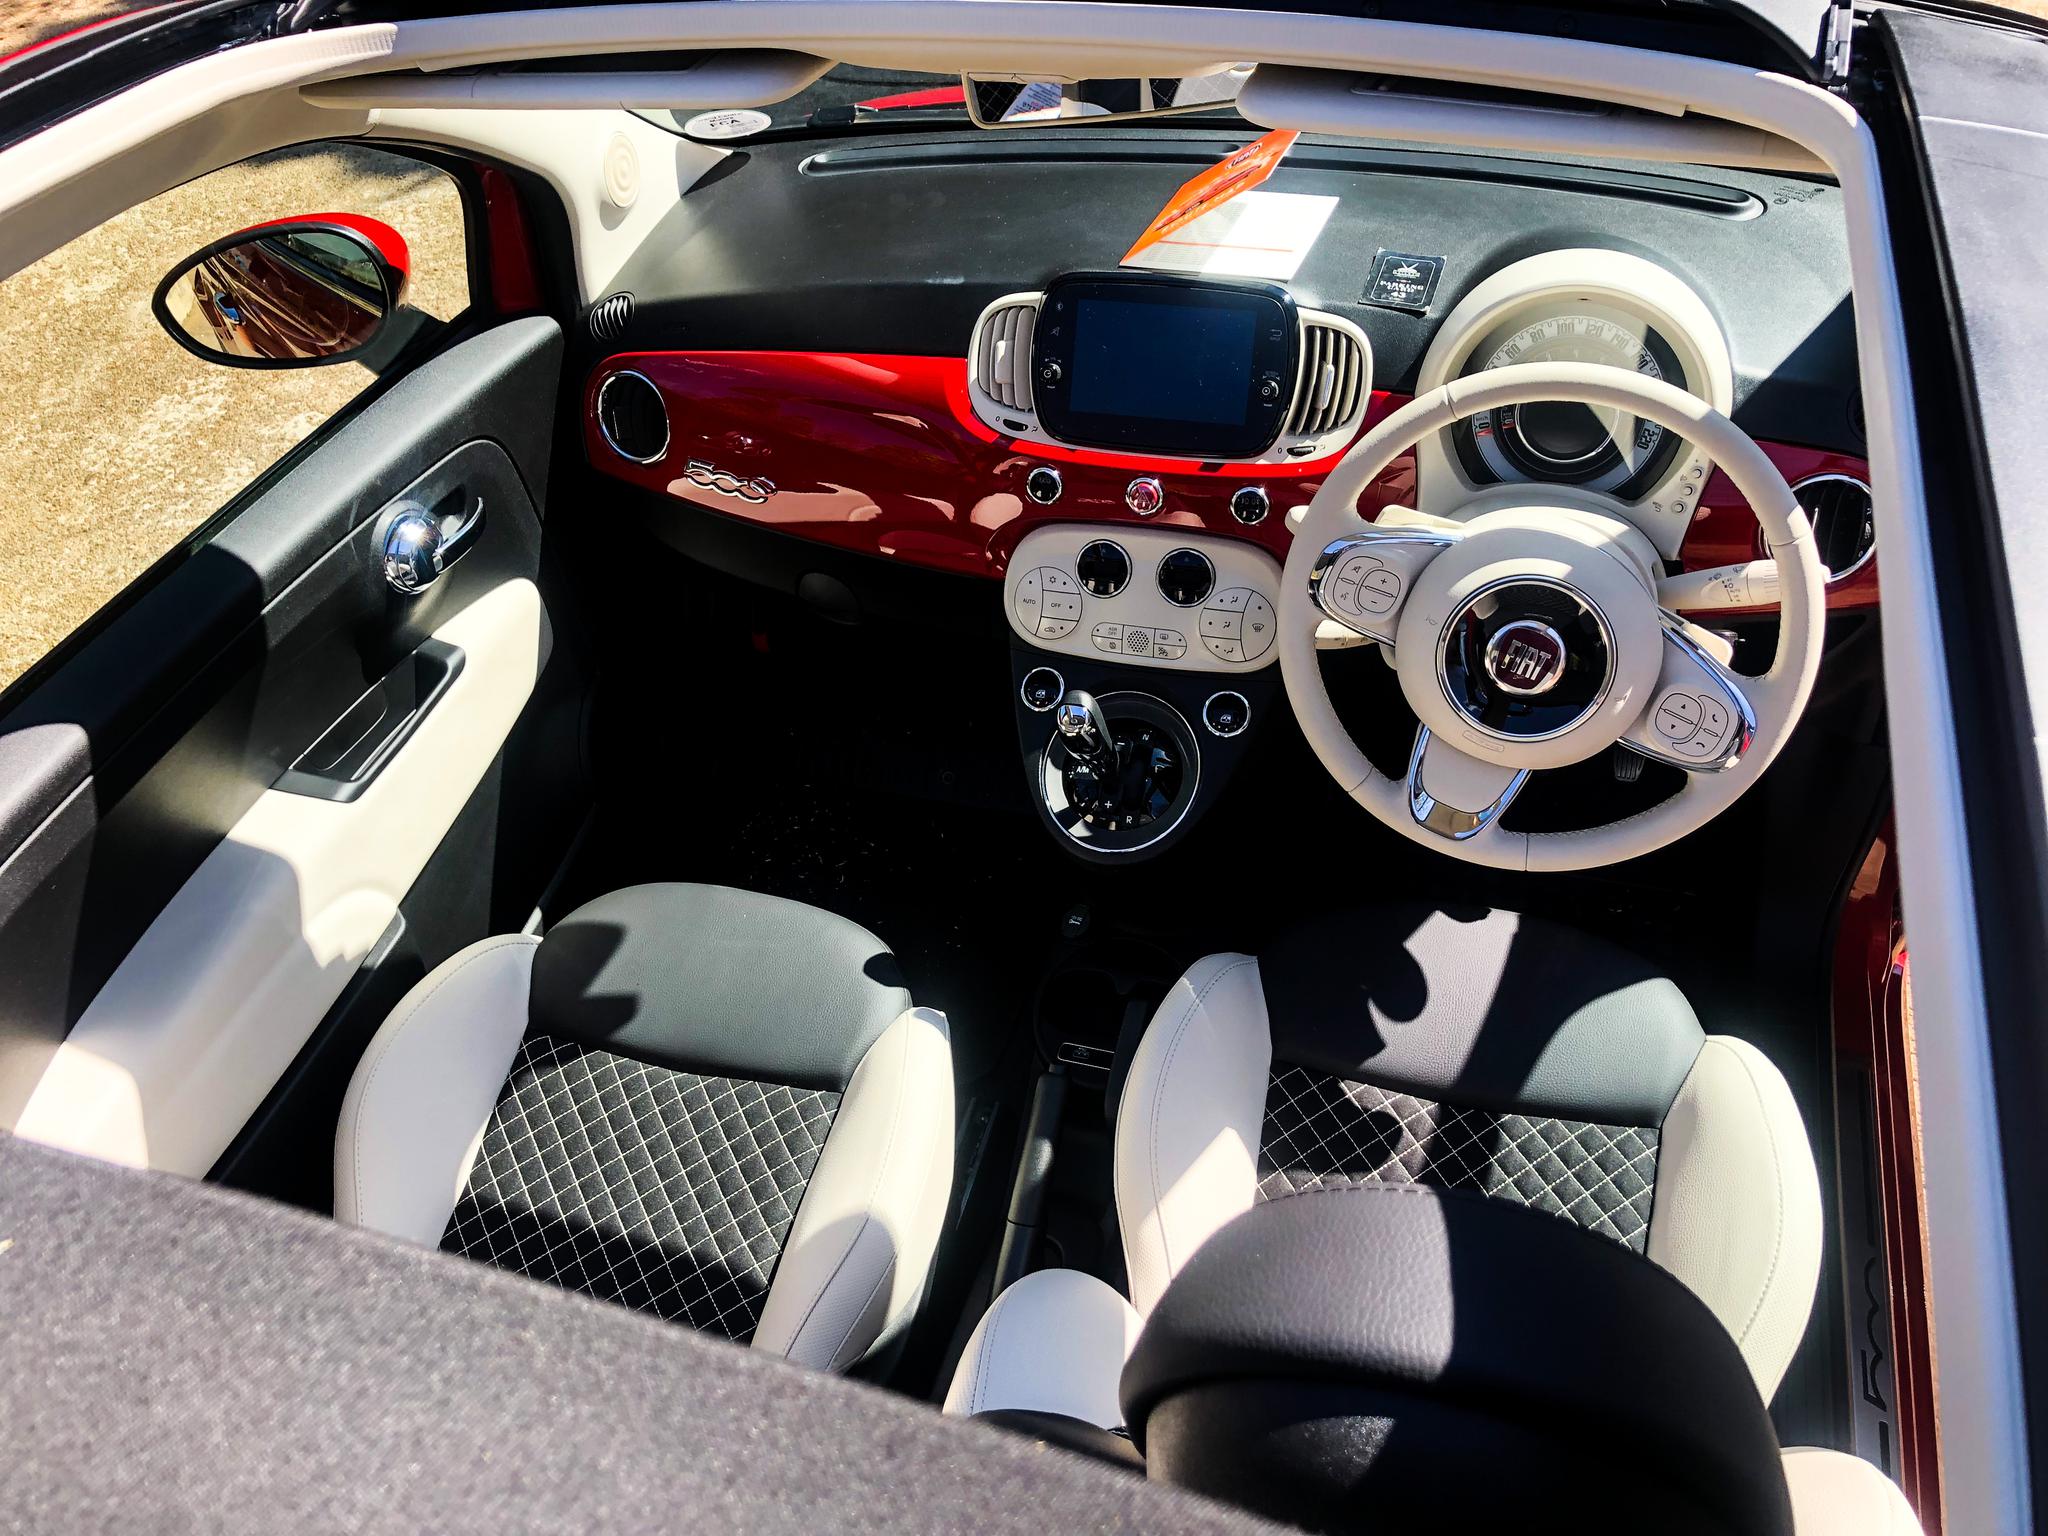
x=633, y=417
x=1838, y=506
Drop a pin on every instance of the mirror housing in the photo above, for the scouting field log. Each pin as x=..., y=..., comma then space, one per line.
x=1024, y=101
x=291, y=293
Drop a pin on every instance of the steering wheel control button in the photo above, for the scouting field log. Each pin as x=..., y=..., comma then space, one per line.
x=1250, y=505
x=1145, y=495
x=1043, y=688
x=1186, y=577
x=1226, y=713
x=1104, y=568
x=1043, y=485
x=1378, y=590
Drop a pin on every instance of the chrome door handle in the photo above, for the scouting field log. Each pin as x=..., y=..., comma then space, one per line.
x=417, y=546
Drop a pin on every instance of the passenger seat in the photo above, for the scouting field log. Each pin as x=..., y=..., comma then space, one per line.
x=713, y=1106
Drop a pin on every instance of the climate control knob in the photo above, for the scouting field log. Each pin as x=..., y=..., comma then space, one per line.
x=1103, y=567
x=1186, y=577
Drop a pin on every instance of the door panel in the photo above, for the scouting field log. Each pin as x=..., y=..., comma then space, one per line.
x=182, y=916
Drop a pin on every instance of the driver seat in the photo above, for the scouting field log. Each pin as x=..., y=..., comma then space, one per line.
x=1467, y=1050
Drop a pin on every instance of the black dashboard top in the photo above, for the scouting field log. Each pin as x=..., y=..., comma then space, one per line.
x=895, y=244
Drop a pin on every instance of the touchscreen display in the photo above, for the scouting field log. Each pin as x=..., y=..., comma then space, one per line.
x=1162, y=362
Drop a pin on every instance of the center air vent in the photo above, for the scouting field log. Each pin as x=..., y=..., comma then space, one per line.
x=1002, y=356
x=1335, y=378
x=1838, y=506
x=633, y=417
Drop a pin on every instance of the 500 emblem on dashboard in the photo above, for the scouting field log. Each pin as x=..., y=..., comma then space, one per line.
x=712, y=478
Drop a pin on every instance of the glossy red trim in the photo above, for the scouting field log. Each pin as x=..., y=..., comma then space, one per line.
x=511, y=265
x=884, y=455
x=937, y=96
x=388, y=242
x=1873, y=1023
x=1724, y=531
x=91, y=26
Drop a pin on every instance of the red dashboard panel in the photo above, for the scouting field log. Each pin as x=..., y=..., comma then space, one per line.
x=882, y=455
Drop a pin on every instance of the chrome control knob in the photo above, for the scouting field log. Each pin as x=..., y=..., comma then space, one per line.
x=1086, y=728
x=1043, y=485
x=1145, y=495
x=1250, y=504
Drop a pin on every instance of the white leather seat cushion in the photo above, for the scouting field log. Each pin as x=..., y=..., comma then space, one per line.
x=1055, y=1342
x=1839, y=1495
x=1735, y=1213
x=853, y=1267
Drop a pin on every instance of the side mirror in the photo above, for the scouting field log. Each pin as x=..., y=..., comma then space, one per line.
x=296, y=293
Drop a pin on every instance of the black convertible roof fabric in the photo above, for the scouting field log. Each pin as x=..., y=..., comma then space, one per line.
x=178, y=1357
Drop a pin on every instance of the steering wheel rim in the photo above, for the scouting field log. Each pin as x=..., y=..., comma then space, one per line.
x=1777, y=698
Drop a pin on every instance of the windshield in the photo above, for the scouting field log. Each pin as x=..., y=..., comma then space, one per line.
x=847, y=97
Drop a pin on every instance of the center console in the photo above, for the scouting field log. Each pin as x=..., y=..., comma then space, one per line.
x=1142, y=661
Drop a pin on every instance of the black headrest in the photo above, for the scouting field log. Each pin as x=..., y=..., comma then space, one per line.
x=1399, y=1358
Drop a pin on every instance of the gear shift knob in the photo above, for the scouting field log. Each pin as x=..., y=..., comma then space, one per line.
x=1086, y=729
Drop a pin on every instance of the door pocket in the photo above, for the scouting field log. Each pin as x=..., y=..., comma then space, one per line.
x=350, y=753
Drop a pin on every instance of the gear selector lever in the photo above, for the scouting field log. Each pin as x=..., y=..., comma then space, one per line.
x=1086, y=729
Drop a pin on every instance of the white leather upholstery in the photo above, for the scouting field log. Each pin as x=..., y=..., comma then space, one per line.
x=419, y=1100
x=1055, y=1342
x=1839, y=1495
x=1737, y=1212
x=1187, y=1136
x=854, y=1267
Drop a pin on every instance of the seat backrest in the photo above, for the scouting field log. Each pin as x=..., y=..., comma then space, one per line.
x=1393, y=1357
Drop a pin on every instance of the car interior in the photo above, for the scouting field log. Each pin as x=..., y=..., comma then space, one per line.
x=1195, y=759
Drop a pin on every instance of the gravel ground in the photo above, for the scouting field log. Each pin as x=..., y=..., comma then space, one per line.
x=121, y=442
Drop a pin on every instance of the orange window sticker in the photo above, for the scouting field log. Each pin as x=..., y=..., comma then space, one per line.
x=1219, y=222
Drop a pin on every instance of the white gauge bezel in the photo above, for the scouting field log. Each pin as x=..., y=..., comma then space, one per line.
x=1543, y=285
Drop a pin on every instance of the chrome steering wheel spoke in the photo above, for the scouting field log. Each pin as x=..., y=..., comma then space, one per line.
x=1362, y=580
x=1698, y=717
x=1456, y=795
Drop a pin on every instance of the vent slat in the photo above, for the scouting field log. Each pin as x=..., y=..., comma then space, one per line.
x=1002, y=363
x=1327, y=351
x=1838, y=507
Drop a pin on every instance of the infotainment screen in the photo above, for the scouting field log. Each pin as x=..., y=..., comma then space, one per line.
x=1179, y=366
x=1168, y=362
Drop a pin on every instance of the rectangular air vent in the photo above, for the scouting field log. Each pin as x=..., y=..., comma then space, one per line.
x=1334, y=379
x=1002, y=363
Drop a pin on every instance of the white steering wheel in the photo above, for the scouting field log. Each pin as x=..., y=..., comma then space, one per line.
x=1530, y=636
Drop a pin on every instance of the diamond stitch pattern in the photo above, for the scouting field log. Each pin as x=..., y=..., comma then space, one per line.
x=664, y=1191
x=1321, y=1129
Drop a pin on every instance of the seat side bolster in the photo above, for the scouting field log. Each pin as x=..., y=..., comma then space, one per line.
x=861, y=1246
x=1737, y=1214
x=1836, y=1494
x=1187, y=1131
x=1055, y=1342
x=422, y=1094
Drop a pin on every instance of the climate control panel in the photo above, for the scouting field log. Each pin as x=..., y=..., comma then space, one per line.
x=1158, y=597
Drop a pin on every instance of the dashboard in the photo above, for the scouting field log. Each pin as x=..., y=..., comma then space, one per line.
x=1120, y=450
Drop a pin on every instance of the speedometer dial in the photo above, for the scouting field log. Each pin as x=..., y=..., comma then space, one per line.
x=1562, y=440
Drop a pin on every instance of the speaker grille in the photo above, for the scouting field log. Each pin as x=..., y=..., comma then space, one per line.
x=633, y=417
x=1838, y=506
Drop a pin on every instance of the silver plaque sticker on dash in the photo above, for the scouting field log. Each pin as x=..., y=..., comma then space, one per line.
x=1400, y=281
